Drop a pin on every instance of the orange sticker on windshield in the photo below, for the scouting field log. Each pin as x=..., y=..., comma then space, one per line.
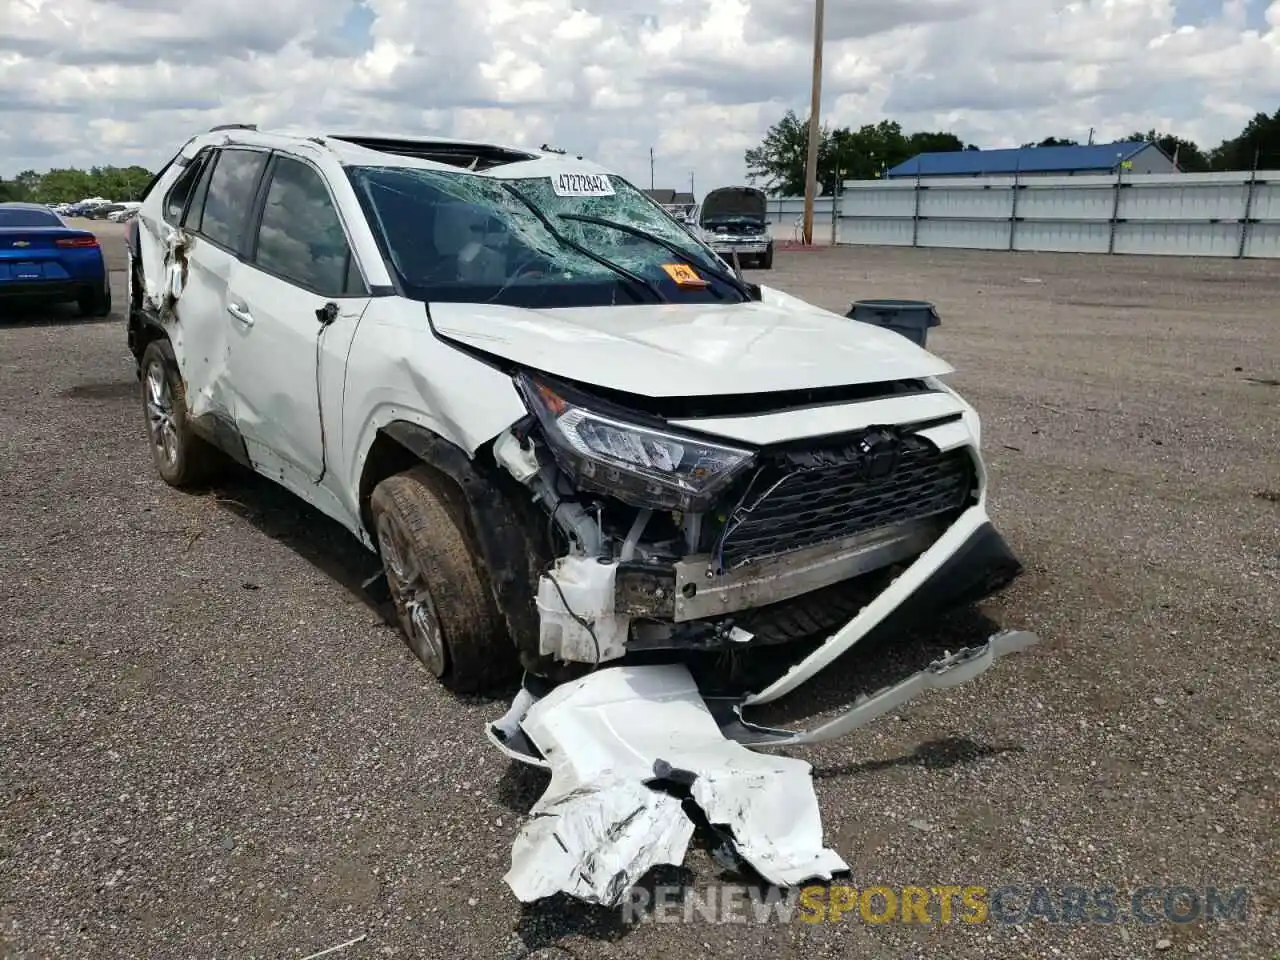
x=684, y=275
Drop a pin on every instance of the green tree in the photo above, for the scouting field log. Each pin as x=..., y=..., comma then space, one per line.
x=28, y=183
x=67, y=184
x=1257, y=146
x=1190, y=158
x=923, y=142
x=843, y=154
x=779, y=162
x=1053, y=142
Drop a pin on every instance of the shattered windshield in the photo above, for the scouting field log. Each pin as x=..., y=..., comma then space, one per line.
x=463, y=237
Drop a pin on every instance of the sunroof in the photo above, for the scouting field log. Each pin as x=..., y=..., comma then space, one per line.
x=473, y=156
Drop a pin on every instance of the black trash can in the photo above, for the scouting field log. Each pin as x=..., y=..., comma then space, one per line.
x=911, y=318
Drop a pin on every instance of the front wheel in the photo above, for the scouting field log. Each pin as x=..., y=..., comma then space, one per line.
x=439, y=585
x=766, y=262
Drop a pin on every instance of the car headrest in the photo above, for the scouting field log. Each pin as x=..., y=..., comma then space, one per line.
x=456, y=225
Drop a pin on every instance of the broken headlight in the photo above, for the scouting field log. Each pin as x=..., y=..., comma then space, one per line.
x=645, y=466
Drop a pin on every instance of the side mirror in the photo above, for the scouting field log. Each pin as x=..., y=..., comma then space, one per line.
x=327, y=314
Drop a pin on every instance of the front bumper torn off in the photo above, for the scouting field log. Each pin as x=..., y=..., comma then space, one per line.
x=611, y=740
x=616, y=739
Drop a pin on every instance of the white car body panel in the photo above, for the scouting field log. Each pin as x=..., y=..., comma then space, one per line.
x=282, y=358
x=203, y=332
x=805, y=422
x=670, y=350
x=398, y=369
x=309, y=400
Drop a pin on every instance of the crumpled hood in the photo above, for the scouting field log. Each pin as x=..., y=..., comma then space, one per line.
x=685, y=350
x=731, y=202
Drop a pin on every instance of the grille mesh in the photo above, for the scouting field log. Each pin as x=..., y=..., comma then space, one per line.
x=832, y=502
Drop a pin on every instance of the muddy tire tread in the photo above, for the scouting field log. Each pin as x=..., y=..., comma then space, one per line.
x=481, y=657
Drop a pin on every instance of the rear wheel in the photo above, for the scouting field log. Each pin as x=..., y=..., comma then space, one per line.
x=182, y=458
x=95, y=303
x=439, y=585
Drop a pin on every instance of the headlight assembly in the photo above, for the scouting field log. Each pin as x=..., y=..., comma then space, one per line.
x=640, y=465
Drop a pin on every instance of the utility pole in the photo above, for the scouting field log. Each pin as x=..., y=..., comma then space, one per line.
x=692, y=192
x=651, y=168
x=815, y=124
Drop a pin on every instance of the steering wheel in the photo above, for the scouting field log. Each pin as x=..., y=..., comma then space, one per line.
x=528, y=268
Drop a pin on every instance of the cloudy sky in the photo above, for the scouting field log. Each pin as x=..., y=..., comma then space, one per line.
x=86, y=82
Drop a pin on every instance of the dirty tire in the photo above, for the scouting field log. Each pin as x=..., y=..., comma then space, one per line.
x=95, y=304
x=181, y=457
x=766, y=262
x=457, y=634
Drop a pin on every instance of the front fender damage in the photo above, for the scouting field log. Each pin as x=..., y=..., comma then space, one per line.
x=632, y=748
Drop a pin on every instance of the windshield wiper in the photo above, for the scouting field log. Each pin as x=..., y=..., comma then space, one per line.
x=726, y=278
x=634, y=280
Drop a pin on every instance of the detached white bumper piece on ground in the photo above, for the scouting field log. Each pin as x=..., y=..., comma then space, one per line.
x=626, y=745
x=616, y=741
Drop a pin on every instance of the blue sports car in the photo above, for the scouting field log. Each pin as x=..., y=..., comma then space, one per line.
x=42, y=258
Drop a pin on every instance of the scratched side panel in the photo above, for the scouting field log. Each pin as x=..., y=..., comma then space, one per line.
x=184, y=286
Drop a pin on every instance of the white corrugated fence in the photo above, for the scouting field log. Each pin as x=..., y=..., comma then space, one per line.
x=1182, y=214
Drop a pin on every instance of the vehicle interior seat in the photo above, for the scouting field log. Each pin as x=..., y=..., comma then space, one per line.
x=461, y=231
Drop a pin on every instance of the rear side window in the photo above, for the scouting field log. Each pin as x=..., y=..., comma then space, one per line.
x=300, y=238
x=230, y=198
x=12, y=217
x=195, y=209
x=180, y=192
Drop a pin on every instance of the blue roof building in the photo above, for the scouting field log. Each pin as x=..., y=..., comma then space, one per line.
x=1098, y=158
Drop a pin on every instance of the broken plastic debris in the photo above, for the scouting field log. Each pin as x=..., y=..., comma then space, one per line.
x=611, y=739
x=595, y=842
x=950, y=670
x=620, y=742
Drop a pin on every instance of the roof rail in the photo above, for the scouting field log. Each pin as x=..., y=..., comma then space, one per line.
x=233, y=126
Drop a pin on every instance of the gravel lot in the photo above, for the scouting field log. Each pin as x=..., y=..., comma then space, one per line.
x=211, y=746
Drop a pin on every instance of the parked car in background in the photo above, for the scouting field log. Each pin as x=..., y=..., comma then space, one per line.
x=43, y=258
x=734, y=221
x=103, y=211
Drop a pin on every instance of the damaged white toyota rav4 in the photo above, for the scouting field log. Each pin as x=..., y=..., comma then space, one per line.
x=572, y=433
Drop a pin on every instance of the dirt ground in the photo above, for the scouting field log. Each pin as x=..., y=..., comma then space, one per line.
x=210, y=746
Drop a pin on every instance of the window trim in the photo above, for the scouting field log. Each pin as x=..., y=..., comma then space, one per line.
x=195, y=166
x=250, y=257
x=209, y=163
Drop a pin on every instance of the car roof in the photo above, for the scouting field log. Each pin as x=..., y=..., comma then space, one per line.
x=23, y=205
x=404, y=150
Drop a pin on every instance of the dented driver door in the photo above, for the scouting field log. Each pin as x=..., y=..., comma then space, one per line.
x=293, y=304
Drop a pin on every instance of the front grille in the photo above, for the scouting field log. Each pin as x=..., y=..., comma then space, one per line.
x=809, y=498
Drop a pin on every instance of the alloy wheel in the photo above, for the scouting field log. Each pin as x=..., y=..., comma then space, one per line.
x=411, y=597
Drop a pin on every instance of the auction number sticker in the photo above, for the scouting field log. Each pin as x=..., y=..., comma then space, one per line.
x=581, y=185
x=684, y=275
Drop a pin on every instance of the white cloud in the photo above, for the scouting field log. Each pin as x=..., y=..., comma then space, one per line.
x=117, y=81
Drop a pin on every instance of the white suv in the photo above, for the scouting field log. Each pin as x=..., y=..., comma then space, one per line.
x=569, y=429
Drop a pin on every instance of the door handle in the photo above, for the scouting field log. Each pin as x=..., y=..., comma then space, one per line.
x=240, y=313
